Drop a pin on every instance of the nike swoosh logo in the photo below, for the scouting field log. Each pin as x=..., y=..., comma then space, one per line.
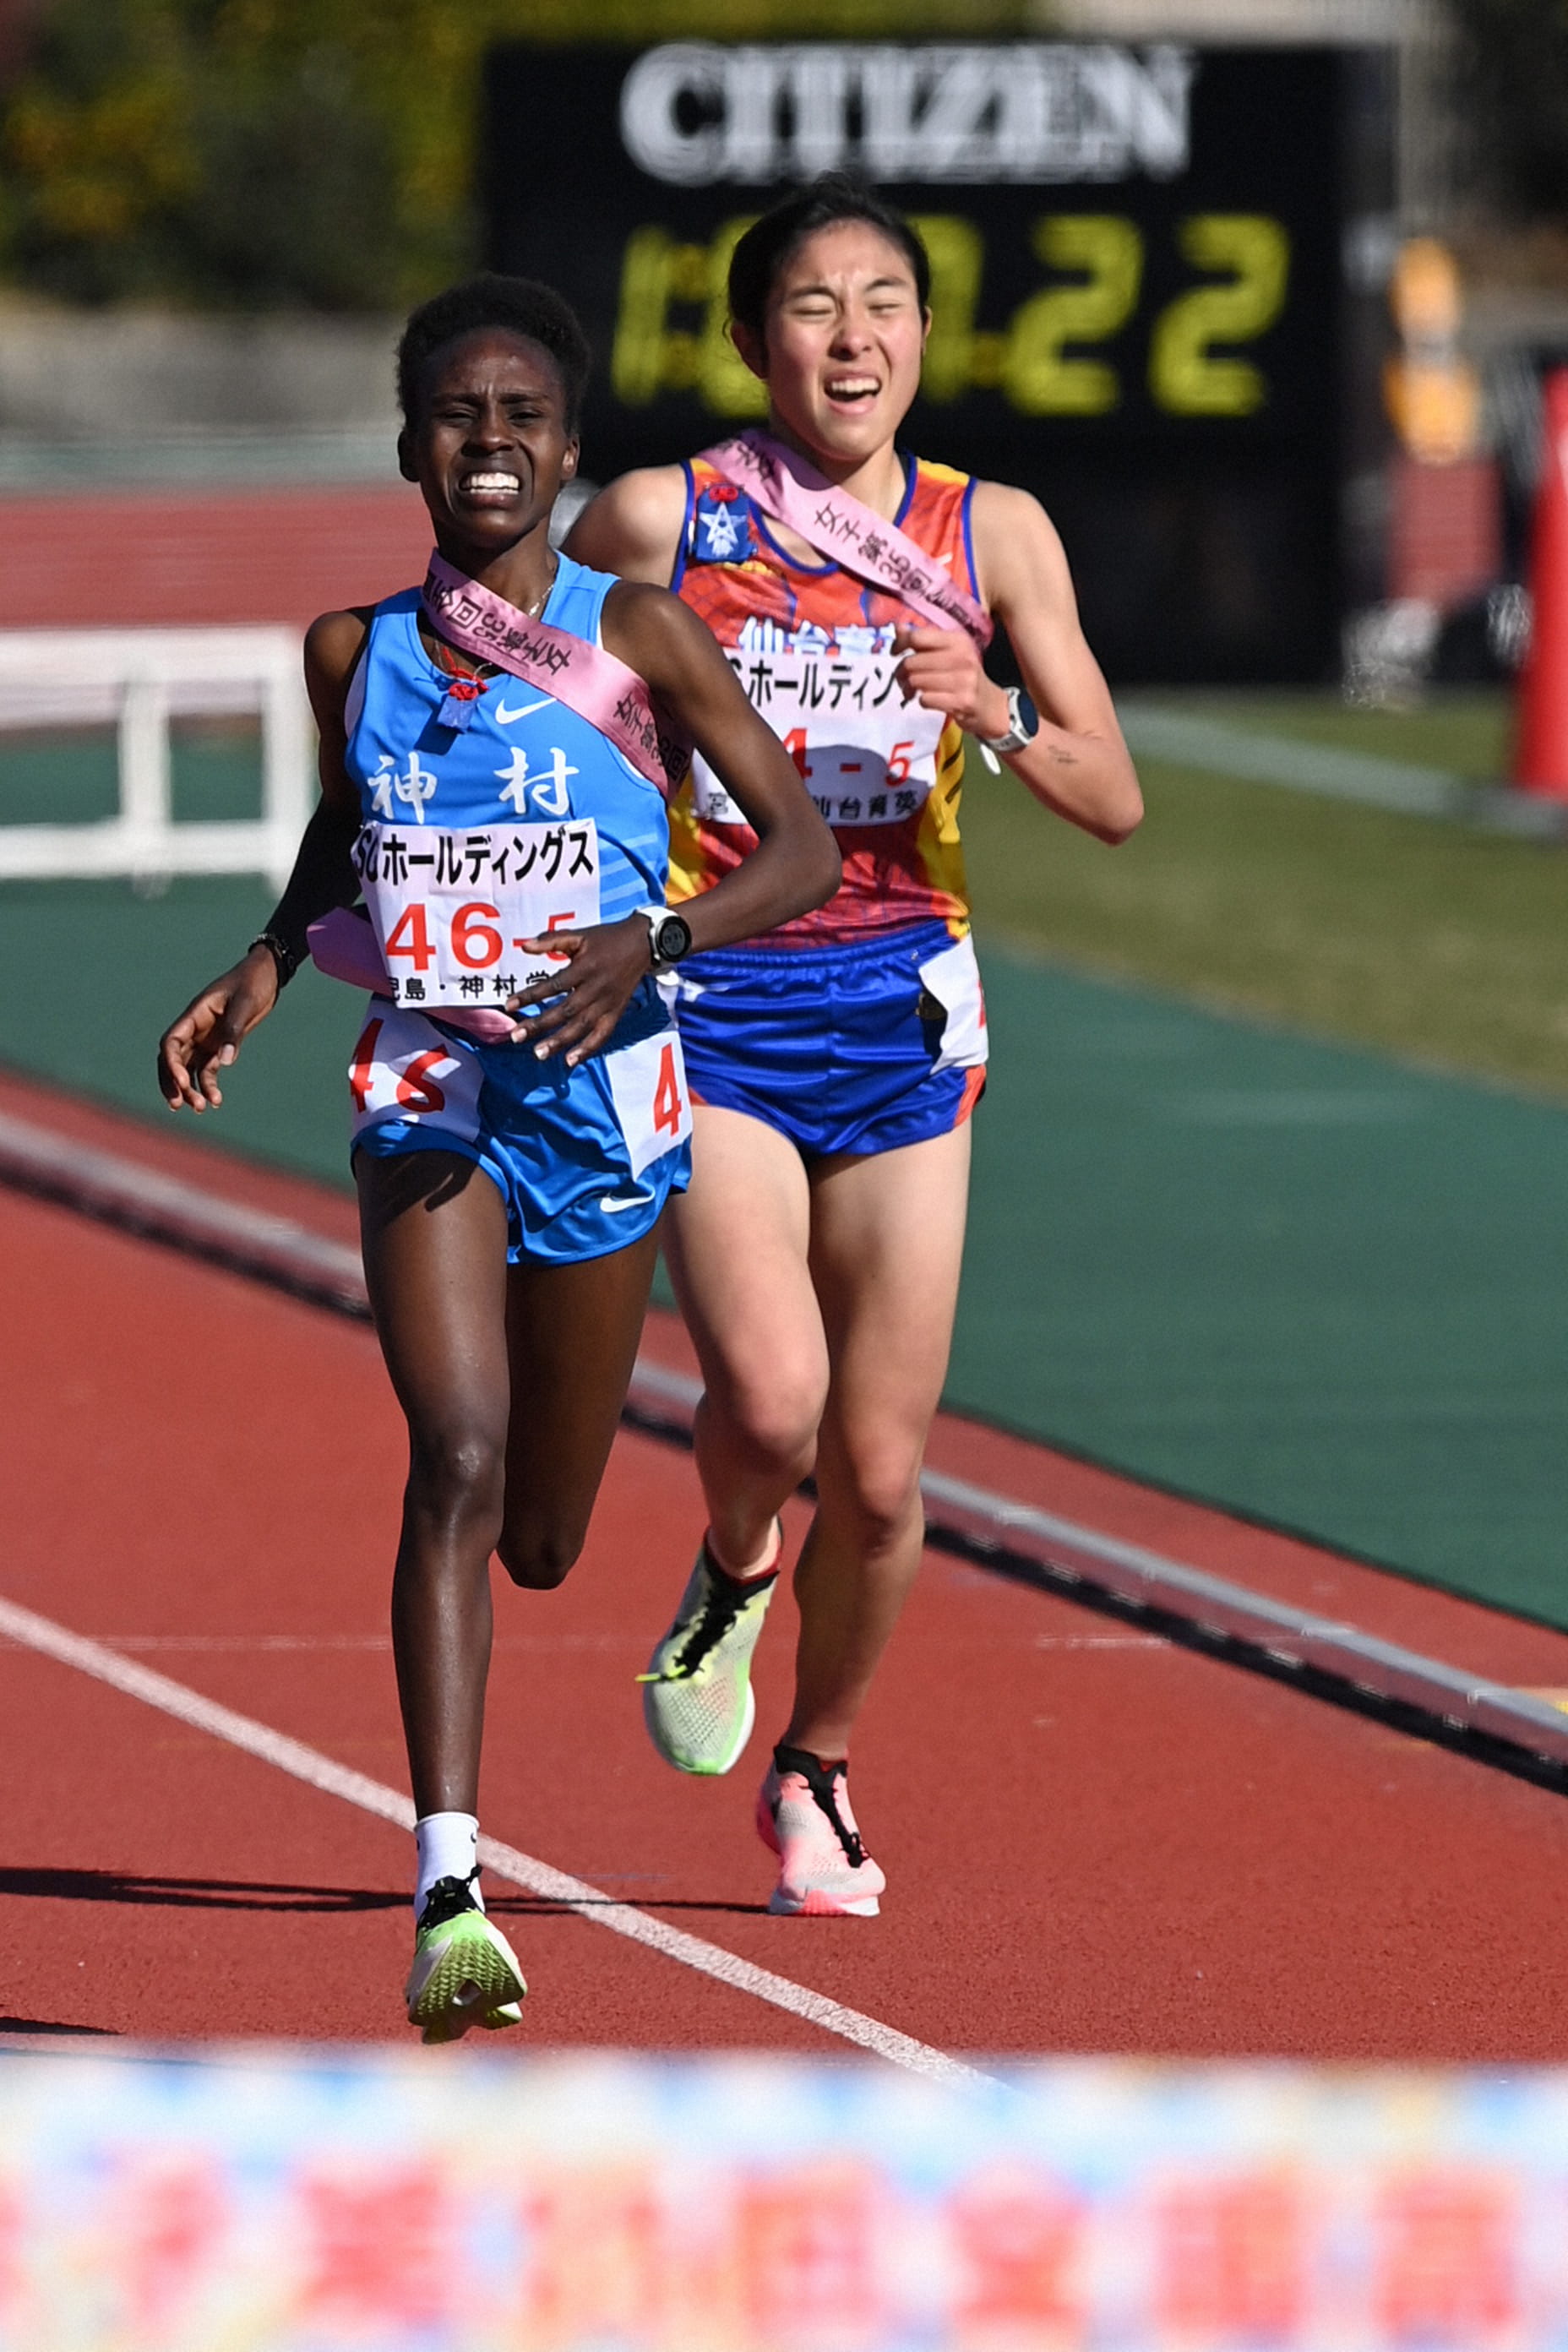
x=611, y=1207
x=505, y=718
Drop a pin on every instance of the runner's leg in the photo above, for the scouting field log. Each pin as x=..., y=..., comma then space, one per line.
x=738, y=1245
x=887, y=1241
x=572, y=1338
x=435, y=1235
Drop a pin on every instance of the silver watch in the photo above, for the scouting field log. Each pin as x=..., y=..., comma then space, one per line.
x=670, y=936
x=1023, y=723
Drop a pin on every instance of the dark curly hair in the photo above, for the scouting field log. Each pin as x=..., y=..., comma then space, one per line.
x=768, y=243
x=522, y=306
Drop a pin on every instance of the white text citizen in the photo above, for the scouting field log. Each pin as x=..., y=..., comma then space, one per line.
x=693, y=112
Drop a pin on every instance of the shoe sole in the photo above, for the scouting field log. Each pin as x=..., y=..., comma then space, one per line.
x=703, y=1769
x=457, y=2022
x=815, y=1904
x=487, y=1974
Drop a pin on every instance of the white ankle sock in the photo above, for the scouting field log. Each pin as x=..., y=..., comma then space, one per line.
x=445, y=1844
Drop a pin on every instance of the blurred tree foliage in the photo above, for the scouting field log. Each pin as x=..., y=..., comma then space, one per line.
x=1518, y=68
x=318, y=152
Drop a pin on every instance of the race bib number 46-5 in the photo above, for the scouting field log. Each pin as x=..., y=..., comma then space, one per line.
x=452, y=910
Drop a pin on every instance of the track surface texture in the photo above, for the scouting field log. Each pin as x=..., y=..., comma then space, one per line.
x=1095, y=1840
x=191, y=557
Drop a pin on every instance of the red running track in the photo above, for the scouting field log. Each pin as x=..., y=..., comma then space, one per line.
x=1094, y=1839
x=130, y=558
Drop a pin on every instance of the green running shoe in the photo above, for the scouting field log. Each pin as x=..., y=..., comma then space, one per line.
x=698, y=1700
x=465, y=1973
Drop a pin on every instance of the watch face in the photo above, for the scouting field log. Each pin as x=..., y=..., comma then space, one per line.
x=1026, y=719
x=672, y=939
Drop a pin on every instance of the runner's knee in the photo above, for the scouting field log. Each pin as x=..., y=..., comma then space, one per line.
x=774, y=1415
x=457, y=1474
x=540, y=1554
x=877, y=1489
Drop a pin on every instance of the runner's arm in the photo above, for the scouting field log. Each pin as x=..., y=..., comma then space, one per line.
x=1077, y=764
x=206, y=1037
x=634, y=527
x=793, y=866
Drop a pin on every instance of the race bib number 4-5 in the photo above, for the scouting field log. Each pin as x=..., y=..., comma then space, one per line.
x=864, y=754
x=452, y=910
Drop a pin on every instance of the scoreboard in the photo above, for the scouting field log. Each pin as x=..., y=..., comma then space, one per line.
x=1137, y=289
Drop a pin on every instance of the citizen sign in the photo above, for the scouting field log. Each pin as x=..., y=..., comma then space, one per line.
x=693, y=112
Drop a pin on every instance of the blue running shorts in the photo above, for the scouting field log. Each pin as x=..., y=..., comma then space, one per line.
x=584, y=1158
x=857, y=1046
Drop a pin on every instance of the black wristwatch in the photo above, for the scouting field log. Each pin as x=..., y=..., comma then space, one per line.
x=283, y=956
x=670, y=936
x=1023, y=723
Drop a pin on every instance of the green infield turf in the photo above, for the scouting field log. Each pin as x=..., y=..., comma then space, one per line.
x=1311, y=1283
x=1467, y=730
x=1318, y=1283
x=91, y=975
x=1433, y=940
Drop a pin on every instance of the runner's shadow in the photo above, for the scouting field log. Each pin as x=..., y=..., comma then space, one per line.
x=540, y=1906
x=50, y=2025
x=192, y=1893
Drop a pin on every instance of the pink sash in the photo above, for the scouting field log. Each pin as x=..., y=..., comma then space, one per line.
x=844, y=528
x=343, y=945
x=590, y=681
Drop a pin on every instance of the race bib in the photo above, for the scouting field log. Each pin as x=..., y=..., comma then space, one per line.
x=647, y=1085
x=952, y=977
x=404, y=1068
x=452, y=910
x=865, y=755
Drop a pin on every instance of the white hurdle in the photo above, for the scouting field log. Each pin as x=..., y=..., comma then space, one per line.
x=139, y=680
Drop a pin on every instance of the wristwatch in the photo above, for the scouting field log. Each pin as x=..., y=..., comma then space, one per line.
x=1023, y=723
x=670, y=936
x=285, y=960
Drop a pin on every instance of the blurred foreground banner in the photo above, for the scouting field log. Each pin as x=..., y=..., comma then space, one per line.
x=271, y=2202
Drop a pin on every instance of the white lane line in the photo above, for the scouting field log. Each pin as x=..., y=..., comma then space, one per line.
x=248, y=1644
x=1289, y=1636
x=123, y=1191
x=318, y=1772
x=1192, y=739
x=1072, y=1553
x=1188, y=739
x=1101, y=1642
x=103, y=1184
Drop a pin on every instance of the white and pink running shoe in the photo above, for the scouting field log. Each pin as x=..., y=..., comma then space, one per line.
x=802, y=1813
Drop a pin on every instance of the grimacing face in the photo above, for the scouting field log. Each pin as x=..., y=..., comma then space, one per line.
x=845, y=335
x=488, y=444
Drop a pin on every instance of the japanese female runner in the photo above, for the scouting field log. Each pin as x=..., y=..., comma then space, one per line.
x=491, y=778
x=834, y=1064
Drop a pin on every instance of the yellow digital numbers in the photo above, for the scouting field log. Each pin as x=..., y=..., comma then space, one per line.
x=957, y=254
x=1184, y=374
x=649, y=356
x=1043, y=361
x=1036, y=375
x=640, y=359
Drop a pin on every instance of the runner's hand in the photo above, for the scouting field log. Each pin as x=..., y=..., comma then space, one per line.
x=941, y=670
x=600, y=970
x=206, y=1036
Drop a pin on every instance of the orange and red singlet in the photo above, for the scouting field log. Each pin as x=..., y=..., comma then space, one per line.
x=812, y=647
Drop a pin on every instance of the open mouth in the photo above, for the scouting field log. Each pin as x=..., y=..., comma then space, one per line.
x=492, y=483
x=851, y=390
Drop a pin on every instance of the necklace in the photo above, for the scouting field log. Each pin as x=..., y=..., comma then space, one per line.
x=475, y=673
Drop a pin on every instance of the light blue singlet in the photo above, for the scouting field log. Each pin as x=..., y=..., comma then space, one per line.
x=584, y=1158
